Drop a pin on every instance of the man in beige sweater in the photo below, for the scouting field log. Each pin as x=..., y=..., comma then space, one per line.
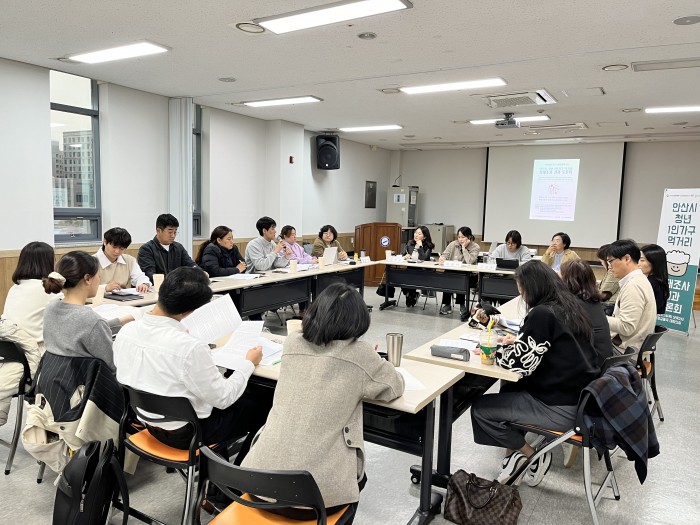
x=634, y=316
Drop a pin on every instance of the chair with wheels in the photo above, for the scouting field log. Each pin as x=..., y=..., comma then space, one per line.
x=646, y=366
x=161, y=409
x=10, y=353
x=286, y=489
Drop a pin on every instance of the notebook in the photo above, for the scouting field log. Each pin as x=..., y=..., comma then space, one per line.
x=330, y=255
x=506, y=264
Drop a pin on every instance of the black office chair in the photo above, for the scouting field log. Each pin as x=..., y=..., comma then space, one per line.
x=144, y=445
x=646, y=365
x=10, y=353
x=287, y=488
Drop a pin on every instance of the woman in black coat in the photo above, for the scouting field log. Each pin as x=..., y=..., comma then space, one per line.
x=218, y=256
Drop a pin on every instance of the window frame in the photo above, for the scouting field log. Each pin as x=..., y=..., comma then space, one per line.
x=93, y=215
x=197, y=172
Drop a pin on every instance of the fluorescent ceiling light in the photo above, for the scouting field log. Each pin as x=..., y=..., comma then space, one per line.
x=329, y=14
x=657, y=65
x=673, y=109
x=536, y=118
x=119, y=53
x=281, y=101
x=454, y=86
x=373, y=128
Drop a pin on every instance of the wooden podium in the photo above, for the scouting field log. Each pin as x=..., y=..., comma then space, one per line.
x=375, y=238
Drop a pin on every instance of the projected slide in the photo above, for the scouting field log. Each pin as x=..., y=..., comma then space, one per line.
x=554, y=184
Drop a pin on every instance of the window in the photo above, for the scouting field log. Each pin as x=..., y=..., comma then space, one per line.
x=75, y=158
x=197, y=172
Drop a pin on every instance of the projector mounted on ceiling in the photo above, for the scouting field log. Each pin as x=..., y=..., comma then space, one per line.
x=508, y=122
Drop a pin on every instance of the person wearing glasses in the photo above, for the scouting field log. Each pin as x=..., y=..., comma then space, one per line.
x=635, y=309
x=513, y=248
x=609, y=285
x=558, y=251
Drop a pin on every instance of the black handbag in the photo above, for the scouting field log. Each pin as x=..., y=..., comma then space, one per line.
x=476, y=501
x=385, y=291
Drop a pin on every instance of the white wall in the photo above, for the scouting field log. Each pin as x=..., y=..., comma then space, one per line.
x=337, y=197
x=451, y=185
x=26, y=199
x=134, y=159
x=650, y=167
x=233, y=173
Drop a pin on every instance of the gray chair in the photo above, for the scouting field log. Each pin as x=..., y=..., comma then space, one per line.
x=10, y=353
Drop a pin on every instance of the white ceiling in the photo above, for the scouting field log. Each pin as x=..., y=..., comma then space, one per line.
x=558, y=45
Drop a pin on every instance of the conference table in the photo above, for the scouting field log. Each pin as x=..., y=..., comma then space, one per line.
x=406, y=424
x=493, y=283
x=274, y=289
x=454, y=402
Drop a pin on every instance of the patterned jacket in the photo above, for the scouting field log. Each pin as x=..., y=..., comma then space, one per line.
x=625, y=420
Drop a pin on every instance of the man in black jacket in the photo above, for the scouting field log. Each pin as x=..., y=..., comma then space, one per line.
x=162, y=254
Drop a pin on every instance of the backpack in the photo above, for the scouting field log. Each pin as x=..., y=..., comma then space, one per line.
x=88, y=485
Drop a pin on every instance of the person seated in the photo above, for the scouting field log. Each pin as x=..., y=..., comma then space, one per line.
x=609, y=285
x=513, y=248
x=71, y=328
x=264, y=253
x=328, y=238
x=118, y=269
x=218, y=256
x=634, y=316
x=289, y=237
x=156, y=354
x=162, y=254
x=26, y=300
x=554, y=354
x=325, y=375
x=579, y=278
x=652, y=262
x=558, y=251
x=418, y=249
x=464, y=249
x=11, y=373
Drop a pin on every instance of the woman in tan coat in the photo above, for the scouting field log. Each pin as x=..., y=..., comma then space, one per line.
x=558, y=252
x=316, y=419
x=464, y=249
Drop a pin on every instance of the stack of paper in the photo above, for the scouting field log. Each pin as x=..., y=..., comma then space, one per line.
x=459, y=343
x=246, y=336
x=213, y=320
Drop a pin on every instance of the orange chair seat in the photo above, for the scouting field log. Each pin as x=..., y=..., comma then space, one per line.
x=648, y=367
x=576, y=437
x=146, y=442
x=237, y=514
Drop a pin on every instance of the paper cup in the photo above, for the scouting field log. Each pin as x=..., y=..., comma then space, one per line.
x=293, y=325
x=293, y=266
x=157, y=281
x=100, y=295
x=387, y=254
x=321, y=262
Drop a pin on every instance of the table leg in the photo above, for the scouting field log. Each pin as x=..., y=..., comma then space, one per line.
x=442, y=474
x=430, y=502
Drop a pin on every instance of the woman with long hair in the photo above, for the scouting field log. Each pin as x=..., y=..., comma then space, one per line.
x=418, y=249
x=579, y=278
x=218, y=256
x=465, y=250
x=554, y=354
x=652, y=262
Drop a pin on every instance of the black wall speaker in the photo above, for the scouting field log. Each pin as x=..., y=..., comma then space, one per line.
x=328, y=152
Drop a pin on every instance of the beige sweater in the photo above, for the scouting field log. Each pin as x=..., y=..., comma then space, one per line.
x=635, y=311
x=454, y=252
x=316, y=419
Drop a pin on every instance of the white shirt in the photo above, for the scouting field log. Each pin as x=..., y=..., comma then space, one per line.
x=25, y=304
x=627, y=278
x=136, y=276
x=157, y=355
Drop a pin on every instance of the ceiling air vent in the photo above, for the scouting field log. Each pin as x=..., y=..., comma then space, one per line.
x=511, y=100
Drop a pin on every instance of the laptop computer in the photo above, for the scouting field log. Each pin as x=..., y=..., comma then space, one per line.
x=506, y=264
x=330, y=255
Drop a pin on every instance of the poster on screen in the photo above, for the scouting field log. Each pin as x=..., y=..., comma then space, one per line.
x=679, y=235
x=554, y=185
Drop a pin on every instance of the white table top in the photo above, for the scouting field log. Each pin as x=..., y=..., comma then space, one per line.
x=436, y=380
x=471, y=268
x=513, y=309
